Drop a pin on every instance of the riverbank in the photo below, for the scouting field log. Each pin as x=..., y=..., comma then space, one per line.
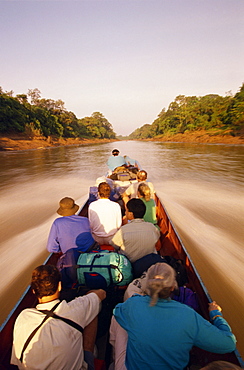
x=23, y=142
x=201, y=137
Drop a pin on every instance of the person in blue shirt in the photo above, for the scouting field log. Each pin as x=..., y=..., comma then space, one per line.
x=115, y=160
x=130, y=162
x=69, y=231
x=161, y=331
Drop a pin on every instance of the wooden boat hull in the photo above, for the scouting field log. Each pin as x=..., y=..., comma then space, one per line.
x=171, y=245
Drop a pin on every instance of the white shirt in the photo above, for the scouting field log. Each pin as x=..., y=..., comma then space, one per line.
x=105, y=217
x=131, y=191
x=56, y=345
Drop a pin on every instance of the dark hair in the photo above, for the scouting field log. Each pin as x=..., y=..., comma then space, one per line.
x=137, y=207
x=104, y=190
x=115, y=152
x=45, y=280
x=141, y=175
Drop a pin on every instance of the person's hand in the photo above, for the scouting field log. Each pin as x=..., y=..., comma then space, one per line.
x=214, y=306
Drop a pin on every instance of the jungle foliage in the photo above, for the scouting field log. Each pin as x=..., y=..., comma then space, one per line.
x=47, y=117
x=213, y=113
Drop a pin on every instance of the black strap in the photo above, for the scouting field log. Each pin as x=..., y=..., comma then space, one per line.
x=68, y=321
x=49, y=313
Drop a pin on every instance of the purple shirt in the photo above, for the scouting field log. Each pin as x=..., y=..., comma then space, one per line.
x=70, y=232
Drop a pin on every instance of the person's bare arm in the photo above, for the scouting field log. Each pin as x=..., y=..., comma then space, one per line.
x=99, y=292
x=125, y=198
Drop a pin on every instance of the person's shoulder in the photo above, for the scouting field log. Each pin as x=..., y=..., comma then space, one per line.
x=116, y=205
x=74, y=218
x=26, y=314
x=150, y=184
x=137, y=299
x=148, y=224
x=94, y=203
x=151, y=226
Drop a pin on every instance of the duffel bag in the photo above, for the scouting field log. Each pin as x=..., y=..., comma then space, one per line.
x=103, y=269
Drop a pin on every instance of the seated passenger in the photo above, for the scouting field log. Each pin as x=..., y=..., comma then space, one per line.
x=69, y=231
x=144, y=194
x=115, y=160
x=105, y=216
x=131, y=191
x=161, y=332
x=137, y=238
x=118, y=336
x=130, y=162
x=56, y=344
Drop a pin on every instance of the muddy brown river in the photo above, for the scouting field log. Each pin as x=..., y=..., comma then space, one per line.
x=201, y=186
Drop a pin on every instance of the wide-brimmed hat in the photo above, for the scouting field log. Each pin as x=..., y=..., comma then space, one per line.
x=67, y=207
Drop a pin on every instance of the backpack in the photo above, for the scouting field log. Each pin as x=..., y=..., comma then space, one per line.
x=67, y=266
x=103, y=269
x=179, y=267
x=143, y=263
x=186, y=296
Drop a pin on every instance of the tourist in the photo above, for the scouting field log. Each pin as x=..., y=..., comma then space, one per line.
x=105, y=216
x=57, y=344
x=131, y=191
x=69, y=231
x=161, y=332
x=130, y=162
x=144, y=193
x=137, y=238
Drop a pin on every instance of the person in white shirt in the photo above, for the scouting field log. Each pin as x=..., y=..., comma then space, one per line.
x=105, y=216
x=56, y=344
x=132, y=190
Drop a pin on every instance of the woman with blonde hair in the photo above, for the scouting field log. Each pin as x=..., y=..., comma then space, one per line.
x=161, y=331
x=144, y=193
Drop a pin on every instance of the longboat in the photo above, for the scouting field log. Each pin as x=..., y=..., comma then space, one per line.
x=171, y=245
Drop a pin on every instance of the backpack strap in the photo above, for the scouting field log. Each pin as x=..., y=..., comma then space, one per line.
x=68, y=321
x=49, y=313
x=34, y=332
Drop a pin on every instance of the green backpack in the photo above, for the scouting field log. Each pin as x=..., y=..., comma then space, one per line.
x=103, y=269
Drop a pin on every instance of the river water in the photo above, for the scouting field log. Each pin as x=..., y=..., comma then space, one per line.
x=201, y=186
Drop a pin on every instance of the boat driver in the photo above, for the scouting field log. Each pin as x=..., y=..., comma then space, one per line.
x=115, y=160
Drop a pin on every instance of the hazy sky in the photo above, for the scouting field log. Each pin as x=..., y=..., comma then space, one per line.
x=127, y=59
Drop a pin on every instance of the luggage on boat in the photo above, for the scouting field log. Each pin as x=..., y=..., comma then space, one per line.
x=93, y=194
x=143, y=263
x=124, y=174
x=186, y=296
x=179, y=267
x=103, y=269
x=67, y=266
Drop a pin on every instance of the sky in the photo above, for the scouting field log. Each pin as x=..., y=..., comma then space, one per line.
x=127, y=59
